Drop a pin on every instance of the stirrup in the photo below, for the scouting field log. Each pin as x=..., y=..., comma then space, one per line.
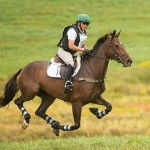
x=68, y=86
x=68, y=83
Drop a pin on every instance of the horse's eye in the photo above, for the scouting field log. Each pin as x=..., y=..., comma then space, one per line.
x=117, y=46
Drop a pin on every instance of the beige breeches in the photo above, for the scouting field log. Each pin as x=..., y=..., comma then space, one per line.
x=66, y=56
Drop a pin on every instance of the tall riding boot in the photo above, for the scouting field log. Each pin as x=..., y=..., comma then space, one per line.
x=68, y=84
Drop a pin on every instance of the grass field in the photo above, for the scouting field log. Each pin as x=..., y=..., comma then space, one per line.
x=30, y=30
x=82, y=143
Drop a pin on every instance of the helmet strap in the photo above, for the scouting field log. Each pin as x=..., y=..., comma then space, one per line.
x=79, y=24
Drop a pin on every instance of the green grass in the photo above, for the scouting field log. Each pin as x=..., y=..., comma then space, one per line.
x=81, y=143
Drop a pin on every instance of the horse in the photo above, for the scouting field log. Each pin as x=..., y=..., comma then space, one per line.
x=89, y=84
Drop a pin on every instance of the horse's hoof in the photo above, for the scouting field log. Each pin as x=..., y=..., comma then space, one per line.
x=56, y=132
x=93, y=110
x=55, y=125
x=24, y=125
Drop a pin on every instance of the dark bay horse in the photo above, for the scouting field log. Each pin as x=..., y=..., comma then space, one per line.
x=89, y=84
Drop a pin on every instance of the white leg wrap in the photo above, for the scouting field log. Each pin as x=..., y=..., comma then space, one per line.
x=67, y=127
x=22, y=109
x=24, y=113
x=100, y=114
x=46, y=118
x=104, y=112
x=49, y=120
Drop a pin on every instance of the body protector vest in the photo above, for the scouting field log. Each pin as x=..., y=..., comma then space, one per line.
x=63, y=43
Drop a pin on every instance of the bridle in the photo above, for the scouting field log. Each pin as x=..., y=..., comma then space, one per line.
x=117, y=57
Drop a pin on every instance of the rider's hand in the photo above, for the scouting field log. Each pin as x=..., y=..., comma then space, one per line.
x=86, y=52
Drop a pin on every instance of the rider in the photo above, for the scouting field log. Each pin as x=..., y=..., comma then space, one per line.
x=73, y=40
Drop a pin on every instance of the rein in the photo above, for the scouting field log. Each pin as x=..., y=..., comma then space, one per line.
x=96, y=80
x=98, y=57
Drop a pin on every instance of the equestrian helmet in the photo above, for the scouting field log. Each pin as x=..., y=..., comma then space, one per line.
x=83, y=18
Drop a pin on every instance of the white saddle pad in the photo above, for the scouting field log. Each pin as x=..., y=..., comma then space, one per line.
x=53, y=69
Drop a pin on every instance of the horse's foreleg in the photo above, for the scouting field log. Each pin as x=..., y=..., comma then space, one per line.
x=101, y=114
x=76, y=108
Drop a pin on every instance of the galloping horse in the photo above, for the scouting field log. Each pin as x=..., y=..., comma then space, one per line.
x=89, y=84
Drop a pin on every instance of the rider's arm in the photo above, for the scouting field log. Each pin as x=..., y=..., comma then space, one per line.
x=71, y=40
x=74, y=47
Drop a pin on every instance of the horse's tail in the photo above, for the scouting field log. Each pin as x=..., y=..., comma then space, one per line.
x=11, y=88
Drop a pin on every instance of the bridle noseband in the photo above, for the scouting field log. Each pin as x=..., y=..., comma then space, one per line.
x=117, y=57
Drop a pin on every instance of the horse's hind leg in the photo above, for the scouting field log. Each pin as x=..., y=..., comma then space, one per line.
x=19, y=102
x=47, y=100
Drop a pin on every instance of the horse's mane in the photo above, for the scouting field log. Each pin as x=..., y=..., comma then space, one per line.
x=101, y=40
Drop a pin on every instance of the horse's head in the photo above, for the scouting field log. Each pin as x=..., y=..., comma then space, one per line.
x=116, y=51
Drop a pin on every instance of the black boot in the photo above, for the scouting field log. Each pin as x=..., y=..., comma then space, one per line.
x=68, y=84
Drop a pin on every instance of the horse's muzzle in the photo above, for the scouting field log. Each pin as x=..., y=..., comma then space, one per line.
x=128, y=62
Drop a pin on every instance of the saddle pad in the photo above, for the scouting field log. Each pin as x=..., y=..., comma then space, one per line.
x=53, y=69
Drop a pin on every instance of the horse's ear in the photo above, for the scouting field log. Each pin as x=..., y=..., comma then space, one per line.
x=114, y=33
x=117, y=35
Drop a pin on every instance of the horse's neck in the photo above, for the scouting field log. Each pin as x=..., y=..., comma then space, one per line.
x=95, y=66
x=100, y=66
x=99, y=62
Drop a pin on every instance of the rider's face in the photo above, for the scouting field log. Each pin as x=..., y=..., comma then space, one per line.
x=84, y=25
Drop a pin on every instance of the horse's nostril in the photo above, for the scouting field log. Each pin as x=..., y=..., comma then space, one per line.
x=129, y=62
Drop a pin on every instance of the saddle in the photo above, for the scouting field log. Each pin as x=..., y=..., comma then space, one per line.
x=57, y=67
x=57, y=59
